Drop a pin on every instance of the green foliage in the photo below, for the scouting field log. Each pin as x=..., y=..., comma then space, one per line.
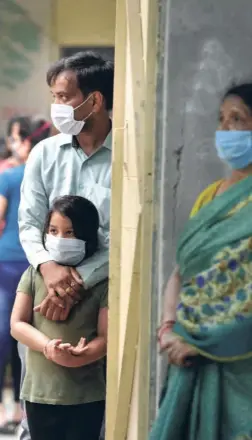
x=19, y=38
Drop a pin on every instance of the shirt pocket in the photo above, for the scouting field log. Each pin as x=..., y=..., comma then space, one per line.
x=100, y=196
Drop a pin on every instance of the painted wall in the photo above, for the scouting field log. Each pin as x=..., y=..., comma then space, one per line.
x=31, y=34
x=85, y=22
x=204, y=46
x=26, y=48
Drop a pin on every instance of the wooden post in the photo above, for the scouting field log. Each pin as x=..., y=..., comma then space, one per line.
x=132, y=221
x=116, y=216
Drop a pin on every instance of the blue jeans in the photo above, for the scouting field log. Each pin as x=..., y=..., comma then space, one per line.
x=10, y=274
x=25, y=433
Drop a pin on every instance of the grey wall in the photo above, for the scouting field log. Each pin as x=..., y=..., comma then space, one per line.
x=203, y=47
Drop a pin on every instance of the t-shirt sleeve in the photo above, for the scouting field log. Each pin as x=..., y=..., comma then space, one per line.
x=26, y=284
x=4, y=184
x=103, y=295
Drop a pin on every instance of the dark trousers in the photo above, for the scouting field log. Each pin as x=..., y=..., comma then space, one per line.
x=65, y=422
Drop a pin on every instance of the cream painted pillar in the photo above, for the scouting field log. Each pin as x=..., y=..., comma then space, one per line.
x=132, y=220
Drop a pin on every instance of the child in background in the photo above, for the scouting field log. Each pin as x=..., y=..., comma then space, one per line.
x=64, y=386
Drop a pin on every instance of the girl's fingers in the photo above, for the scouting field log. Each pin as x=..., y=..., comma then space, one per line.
x=64, y=346
x=78, y=351
x=56, y=343
x=82, y=342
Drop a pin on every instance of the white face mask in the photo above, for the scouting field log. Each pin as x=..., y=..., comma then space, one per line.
x=62, y=116
x=66, y=251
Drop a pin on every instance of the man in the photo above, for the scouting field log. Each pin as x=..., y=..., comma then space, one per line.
x=77, y=161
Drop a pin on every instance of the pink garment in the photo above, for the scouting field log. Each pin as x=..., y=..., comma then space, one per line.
x=5, y=164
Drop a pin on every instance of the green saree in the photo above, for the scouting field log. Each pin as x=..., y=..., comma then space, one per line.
x=212, y=399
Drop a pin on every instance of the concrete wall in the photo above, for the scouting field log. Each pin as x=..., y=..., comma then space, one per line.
x=204, y=46
x=26, y=48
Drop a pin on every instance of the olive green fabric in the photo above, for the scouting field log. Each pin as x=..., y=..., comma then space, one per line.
x=47, y=382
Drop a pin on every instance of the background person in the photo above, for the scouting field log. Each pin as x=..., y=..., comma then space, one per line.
x=14, y=126
x=13, y=261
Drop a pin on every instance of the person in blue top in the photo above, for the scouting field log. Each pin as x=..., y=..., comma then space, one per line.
x=13, y=260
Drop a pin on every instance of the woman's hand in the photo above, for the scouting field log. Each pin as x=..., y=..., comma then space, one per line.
x=178, y=350
x=179, y=353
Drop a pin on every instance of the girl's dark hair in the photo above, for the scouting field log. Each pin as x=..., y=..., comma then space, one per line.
x=243, y=91
x=84, y=217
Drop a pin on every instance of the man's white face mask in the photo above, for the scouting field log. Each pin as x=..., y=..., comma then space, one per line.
x=62, y=116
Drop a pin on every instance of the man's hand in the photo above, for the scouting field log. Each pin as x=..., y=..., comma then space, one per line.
x=52, y=311
x=63, y=284
x=65, y=281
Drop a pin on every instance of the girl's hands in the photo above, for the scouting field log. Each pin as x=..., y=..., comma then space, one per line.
x=61, y=353
x=55, y=349
x=80, y=348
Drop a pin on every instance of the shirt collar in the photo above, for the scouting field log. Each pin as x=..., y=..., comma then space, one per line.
x=67, y=139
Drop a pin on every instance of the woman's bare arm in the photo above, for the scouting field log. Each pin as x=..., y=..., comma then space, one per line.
x=172, y=296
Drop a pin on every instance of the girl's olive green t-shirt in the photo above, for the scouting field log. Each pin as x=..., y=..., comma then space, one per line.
x=46, y=382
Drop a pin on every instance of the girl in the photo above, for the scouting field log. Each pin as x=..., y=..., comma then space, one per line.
x=64, y=386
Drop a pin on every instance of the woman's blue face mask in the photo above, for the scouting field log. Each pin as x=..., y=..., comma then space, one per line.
x=234, y=148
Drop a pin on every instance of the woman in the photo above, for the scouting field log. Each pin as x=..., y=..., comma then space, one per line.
x=208, y=394
x=8, y=158
x=12, y=259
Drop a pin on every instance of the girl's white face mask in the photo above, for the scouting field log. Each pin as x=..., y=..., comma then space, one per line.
x=62, y=116
x=66, y=251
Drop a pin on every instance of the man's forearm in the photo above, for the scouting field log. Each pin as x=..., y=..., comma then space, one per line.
x=95, y=269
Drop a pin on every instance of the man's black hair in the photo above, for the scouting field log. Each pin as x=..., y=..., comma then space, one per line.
x=84, y=217
x=93, y=73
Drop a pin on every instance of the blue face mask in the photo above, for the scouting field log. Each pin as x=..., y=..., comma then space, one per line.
x=234, y=148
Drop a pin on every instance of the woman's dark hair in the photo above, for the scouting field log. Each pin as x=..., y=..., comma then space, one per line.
x=38, y=131
x=25, y=126
x=93, y=73
x=243, y=91
x=84, y=217
x=23, y=121
x=41, y=129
